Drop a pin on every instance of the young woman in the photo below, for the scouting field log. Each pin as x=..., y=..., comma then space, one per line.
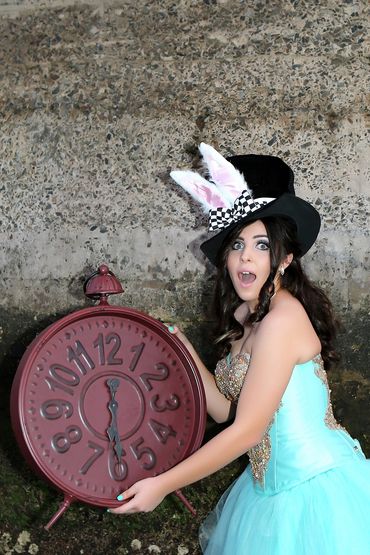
x=306, y=490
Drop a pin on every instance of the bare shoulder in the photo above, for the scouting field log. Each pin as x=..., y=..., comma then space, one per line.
x=287, y=305
x=287, y=325
x=285, y=311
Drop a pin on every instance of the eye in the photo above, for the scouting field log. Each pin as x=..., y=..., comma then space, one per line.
x=237, y=245
x=263, y=245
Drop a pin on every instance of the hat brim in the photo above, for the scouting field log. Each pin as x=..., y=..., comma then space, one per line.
x=305, y=217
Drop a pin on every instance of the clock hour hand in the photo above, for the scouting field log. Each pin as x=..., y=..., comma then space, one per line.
x=112, y=429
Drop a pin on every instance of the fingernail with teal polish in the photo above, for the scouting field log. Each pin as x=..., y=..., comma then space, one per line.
x=120, y=497
x=108, y=510
x=171, y=329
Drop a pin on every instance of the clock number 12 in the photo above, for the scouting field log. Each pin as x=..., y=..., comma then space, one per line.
x=100, y=343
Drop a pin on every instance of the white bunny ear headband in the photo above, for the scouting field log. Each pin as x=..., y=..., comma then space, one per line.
x=229, y=201
x=227, y=197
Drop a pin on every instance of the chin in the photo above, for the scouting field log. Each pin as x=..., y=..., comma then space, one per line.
x=247, y=297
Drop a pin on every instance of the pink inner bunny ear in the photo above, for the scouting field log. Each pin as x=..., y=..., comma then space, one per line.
x=229, y=180
x=200, y=189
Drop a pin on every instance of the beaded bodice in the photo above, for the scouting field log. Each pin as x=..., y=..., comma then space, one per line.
x=303, y=438
x=230, y=373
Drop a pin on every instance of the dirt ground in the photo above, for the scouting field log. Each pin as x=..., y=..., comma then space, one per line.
x=28, y=503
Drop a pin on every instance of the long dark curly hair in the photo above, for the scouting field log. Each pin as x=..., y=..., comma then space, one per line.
x=282, y=237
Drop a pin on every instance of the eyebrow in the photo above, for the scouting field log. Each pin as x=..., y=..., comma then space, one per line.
x=254, y=237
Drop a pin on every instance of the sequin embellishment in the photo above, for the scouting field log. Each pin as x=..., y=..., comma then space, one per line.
x=320, y=372
x=259, y=456
x=230, y=377
x=229, y=380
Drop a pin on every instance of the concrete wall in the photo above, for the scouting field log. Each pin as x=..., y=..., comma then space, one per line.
x=99, y=101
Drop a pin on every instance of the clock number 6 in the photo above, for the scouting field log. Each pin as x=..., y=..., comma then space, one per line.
x=61, y=442
x=117, y=470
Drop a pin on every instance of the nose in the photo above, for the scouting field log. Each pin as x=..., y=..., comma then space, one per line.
x=245, y=254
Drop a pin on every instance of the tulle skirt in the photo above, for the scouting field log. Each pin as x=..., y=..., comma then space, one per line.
x=326, y=515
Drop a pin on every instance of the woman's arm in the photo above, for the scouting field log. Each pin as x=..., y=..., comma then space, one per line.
x=268, y=375
x=218, y=407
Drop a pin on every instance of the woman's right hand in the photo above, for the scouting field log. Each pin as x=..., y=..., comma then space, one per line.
x=175, y=330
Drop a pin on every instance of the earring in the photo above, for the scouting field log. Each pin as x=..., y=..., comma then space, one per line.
x=282, y=270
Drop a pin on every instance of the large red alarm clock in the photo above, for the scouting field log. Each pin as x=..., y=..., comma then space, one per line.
x=104, y=397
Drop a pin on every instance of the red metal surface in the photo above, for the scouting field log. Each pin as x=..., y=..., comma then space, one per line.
x=60, y=402
x=101, y=284
x=68, y=499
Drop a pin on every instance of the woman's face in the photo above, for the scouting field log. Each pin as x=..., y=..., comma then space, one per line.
x=248, y=262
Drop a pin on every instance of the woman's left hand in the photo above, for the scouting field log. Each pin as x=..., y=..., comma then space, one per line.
x=144, y=496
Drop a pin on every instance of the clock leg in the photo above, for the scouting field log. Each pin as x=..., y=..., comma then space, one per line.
x=68, y=499
x=187, y=503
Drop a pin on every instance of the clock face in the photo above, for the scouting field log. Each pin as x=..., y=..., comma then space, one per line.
x=103, y=398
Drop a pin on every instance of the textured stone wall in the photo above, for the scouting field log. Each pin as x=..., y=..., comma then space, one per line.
x=99, y=100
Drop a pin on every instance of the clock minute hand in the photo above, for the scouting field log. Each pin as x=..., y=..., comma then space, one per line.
x=112, y=429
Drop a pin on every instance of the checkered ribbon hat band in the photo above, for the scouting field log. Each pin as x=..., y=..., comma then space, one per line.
x=219, y=218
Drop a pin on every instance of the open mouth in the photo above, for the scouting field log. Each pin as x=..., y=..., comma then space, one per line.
x=247, y=277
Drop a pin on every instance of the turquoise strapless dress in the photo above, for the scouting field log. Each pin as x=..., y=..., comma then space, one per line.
x=306, y=490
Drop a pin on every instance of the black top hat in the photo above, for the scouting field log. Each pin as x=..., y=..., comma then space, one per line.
x=269, y=176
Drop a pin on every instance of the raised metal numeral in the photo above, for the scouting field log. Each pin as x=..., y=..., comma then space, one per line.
x=139, y=450
x=117, y=470
x=99, y=344
x=62, y=378
x=159, y=405
x=64, y=375
x=56, y=408
x=80, y=357
x=137, y=349
x=161, y=431
x=116, y=340
x=147, y=377
x=62, y=442
x=98, y=451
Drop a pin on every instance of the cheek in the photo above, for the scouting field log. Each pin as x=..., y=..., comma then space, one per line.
x=230, y=262
x=230, y=266
x=265, y=262
x=268, y=266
